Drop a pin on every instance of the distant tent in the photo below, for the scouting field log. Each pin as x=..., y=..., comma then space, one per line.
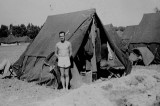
x=128, y=34
x=9, y=39
x=12, y=39
x=147, y=34
x=108, y=26
x=2, y=39
x=148, y=30
x=24, y=39
x=86, y=33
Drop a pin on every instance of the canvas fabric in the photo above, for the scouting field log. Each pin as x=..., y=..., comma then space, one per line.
x=117, y=40
x=147, y=55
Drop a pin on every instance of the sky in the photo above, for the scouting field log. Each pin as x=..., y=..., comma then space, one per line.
x=116, y=12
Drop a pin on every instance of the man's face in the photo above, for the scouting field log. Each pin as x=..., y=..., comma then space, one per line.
x=61, y=36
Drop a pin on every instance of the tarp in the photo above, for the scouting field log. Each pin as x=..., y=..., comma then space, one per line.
x=147, y=55
x=86, y=34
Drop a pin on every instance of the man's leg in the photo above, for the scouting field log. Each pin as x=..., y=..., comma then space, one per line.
x=67, y=77
x=62, y=77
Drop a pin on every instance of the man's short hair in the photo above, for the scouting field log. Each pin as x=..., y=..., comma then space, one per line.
x=61, y=32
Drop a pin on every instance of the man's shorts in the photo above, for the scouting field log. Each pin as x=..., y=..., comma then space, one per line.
x=64, y=62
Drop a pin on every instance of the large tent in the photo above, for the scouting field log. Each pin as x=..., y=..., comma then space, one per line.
x=145, y=37
x=86, y=34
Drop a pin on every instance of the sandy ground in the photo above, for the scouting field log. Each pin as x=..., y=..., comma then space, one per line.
x=140, y=88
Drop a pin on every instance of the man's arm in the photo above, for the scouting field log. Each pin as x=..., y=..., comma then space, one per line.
x=56, y=50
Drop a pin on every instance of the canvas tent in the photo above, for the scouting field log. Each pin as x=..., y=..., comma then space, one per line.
x=86, y=34
x=127, y=35
x=2, y=40
x=24, y=39
x=146, y=35
x=8, y=39
x=12, y=39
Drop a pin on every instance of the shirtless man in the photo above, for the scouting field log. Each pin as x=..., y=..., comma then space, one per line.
x=63, y=51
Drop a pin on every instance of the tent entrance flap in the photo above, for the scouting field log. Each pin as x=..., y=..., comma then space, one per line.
x=85, y=59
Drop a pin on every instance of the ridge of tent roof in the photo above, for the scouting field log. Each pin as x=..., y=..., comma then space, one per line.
x=92, y=10
x=150, y=13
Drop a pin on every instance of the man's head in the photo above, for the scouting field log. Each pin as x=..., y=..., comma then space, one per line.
x=62, y=36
